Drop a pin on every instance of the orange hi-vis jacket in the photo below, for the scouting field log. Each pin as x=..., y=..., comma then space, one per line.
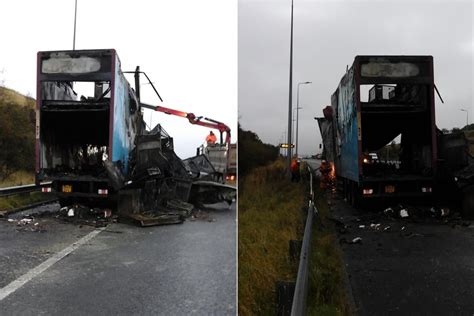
x=211, y=139
x=294, y=165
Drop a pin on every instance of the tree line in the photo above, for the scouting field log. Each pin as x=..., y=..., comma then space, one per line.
x=17, y=128
x=253, y=152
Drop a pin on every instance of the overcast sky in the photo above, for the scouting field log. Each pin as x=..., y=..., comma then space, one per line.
x=327, y=36
x=188, y=48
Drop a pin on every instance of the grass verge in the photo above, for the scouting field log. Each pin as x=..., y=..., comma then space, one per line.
x=326, y=292
x=270, y=214
x=18, y=178
x=19, y=200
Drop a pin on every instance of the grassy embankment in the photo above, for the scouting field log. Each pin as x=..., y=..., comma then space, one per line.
x=18, y=178
x=19, y=200
x=269, y=216
x=326, y=291
x=17, y=117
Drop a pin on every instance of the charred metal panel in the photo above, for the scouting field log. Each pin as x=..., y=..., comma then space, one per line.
x=326, y=130
x=66, y=64
x=388, y=69
x=199, y=166
x=83, y=65
x=394, y=69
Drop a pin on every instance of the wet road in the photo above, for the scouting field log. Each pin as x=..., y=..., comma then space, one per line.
x=413, y=267
x=165, y=270
x=313, y=163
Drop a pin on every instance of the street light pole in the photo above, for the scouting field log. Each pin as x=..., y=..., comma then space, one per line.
x=293, y=126
x=467, y=115
x=297, y=110
x=74, y=37
x=290, y=95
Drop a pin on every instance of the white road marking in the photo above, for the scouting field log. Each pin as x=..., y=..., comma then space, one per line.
x=28, y=276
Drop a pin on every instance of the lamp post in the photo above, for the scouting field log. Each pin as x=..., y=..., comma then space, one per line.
x=290, y=94
x=293, y=126
x=467, y=115
x=74, y=37
x=297, y=110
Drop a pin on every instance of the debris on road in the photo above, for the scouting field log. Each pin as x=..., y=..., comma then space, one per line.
x=375, y=226
x=83, y=215
x=27, y=223
x=356, y=240
x=202, y=215
x=403, y=213
x=389, y=211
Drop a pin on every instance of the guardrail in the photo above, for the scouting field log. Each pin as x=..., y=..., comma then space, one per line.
x=22, y=189
x=298, y=306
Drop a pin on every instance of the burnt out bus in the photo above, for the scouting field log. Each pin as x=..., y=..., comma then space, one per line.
x=383, y=100
x=87, y=121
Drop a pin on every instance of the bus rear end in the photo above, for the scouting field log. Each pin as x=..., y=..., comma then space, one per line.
x=74, y=123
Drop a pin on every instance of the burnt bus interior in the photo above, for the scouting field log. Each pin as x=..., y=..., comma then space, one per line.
x=399, y=112
x=74, y=127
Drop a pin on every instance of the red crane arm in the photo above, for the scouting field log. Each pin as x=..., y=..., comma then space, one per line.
x=193, y=119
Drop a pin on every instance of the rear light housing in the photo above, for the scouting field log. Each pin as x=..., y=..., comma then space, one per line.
x=368, y=191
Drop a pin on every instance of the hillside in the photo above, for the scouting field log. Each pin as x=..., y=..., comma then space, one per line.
x=17, y=125
x=17, y=98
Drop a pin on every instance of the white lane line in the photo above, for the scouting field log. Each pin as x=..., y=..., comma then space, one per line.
x=28, y=276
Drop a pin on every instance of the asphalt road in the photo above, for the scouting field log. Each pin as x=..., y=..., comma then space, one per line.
x=414, y=267
x=182, y=269
x=313, y=163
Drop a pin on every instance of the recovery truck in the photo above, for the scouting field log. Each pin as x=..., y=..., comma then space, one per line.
x=221, y=156
x=94, y=147
x=380, y=99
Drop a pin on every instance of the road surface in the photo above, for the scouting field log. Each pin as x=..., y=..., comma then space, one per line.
x=422, y=266
x=313, y=163
x=182, y=269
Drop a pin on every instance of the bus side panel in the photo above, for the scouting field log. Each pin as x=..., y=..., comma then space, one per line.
x=347, y=145
x=121, y=141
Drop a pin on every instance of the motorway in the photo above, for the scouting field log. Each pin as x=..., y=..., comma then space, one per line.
x=410, y=266
x=313, y=163
x=67, y=269
x=417, y=265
